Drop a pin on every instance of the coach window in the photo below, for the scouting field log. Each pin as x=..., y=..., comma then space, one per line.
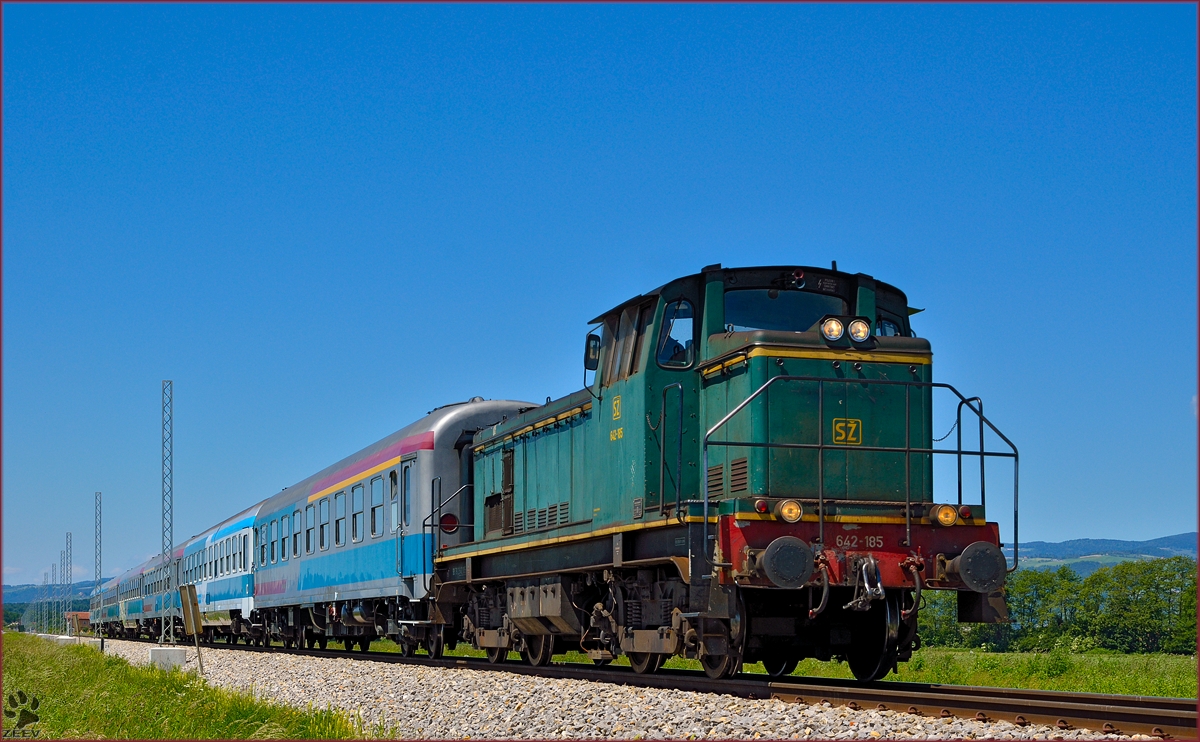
x=406, y=491
x=339, y=519
x=675, y=342
x=394, y=496
x=262, y=545
x=284, y=533
x=324, y=532
x=356, y=513
x=377, y=507
x=225, y=546
x=274, y=538
x=310, y=525
x=246, y=550
x=296, y=534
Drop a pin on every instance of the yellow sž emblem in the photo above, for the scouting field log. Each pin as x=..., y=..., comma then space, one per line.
x=617, y=407
x=847, y=431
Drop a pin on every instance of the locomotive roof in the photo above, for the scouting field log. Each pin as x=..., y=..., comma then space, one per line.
x=717, y=268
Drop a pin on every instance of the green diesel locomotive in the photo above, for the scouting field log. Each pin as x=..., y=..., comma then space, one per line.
x=748, y=477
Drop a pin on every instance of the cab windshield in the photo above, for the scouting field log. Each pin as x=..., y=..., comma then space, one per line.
x=789, y=310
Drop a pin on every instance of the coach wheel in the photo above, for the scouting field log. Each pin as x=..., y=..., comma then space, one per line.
x=646, y=662
x=777, y=666
x=874, y=635
x=539, y=649
x=496, y=655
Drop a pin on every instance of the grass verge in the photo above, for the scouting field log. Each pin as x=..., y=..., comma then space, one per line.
x=84, y=694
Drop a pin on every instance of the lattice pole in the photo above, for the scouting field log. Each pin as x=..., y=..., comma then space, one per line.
x=54, y=601
x=42, y=603
x=68, y=583
x=168, y=496
x=98, y=571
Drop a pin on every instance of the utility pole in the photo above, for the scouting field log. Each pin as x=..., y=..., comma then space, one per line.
x=168, y=496
x=67, y=580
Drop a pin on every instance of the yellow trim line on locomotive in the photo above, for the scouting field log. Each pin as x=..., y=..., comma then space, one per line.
x=837, y=355
x=808, y=518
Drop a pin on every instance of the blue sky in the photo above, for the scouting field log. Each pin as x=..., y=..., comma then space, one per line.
x=323, y=221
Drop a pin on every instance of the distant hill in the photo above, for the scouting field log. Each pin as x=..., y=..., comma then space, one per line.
x=29, y=593
x=1086, y=555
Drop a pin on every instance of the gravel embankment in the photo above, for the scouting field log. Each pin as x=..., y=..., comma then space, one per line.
x=420, y=702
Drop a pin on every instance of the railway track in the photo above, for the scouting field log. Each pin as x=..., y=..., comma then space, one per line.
x=1166, y=718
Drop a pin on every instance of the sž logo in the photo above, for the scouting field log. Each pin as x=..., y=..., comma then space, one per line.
x=21, y=711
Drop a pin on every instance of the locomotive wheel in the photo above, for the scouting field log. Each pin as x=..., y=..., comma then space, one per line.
x=539, y=649
x=720, y=665
x=404, y=649
x=496, y=655
x=433, y=645
x=364, y=644
x=777, y=666
x=322, y=642
x=874, y=636
x=646, y=662
x=348, y=643
x=601, y=663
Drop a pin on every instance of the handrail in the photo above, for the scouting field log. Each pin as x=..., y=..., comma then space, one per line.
x=434, y=525
x=908, y=450
x=662, y=451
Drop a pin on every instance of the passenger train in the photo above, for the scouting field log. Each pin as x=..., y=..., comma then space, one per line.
x=747, y=477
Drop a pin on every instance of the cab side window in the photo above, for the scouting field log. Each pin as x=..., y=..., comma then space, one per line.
x=676, y=347
x=623, y=337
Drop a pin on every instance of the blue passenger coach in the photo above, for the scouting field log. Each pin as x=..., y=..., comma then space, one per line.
x=346, y=554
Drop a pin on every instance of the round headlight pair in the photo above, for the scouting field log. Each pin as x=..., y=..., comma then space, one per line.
x=832, y=329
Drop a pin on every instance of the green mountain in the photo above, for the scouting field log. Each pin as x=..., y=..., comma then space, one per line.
x=1086, y=555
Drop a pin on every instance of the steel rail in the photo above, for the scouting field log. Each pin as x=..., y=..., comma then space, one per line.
x=1166, y=718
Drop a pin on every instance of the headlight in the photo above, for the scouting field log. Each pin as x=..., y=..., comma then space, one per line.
x=859, y=331
x=790, y=510
x=832, y=329
x=946, y=514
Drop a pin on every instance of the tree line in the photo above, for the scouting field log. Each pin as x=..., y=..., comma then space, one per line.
x=1133, y=607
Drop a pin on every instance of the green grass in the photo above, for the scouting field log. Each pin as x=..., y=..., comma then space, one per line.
x=1164, y=675
x=85, y=694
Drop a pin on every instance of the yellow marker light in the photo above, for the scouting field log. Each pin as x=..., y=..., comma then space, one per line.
x=946, y=515
x=790, y=510
x=859, y=331
x=832, y=329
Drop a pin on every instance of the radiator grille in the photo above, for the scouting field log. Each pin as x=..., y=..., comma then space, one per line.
x=716, y=480
x=739, y=475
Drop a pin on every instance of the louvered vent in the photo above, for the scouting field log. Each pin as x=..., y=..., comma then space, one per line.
x=739, y=475
x=552, y=515
x=518, y=522
x=531, y=520
x=564, y=513
x=716, y=480
x=541, y=518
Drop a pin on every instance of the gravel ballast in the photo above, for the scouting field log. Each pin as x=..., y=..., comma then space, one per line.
x=410, y=701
